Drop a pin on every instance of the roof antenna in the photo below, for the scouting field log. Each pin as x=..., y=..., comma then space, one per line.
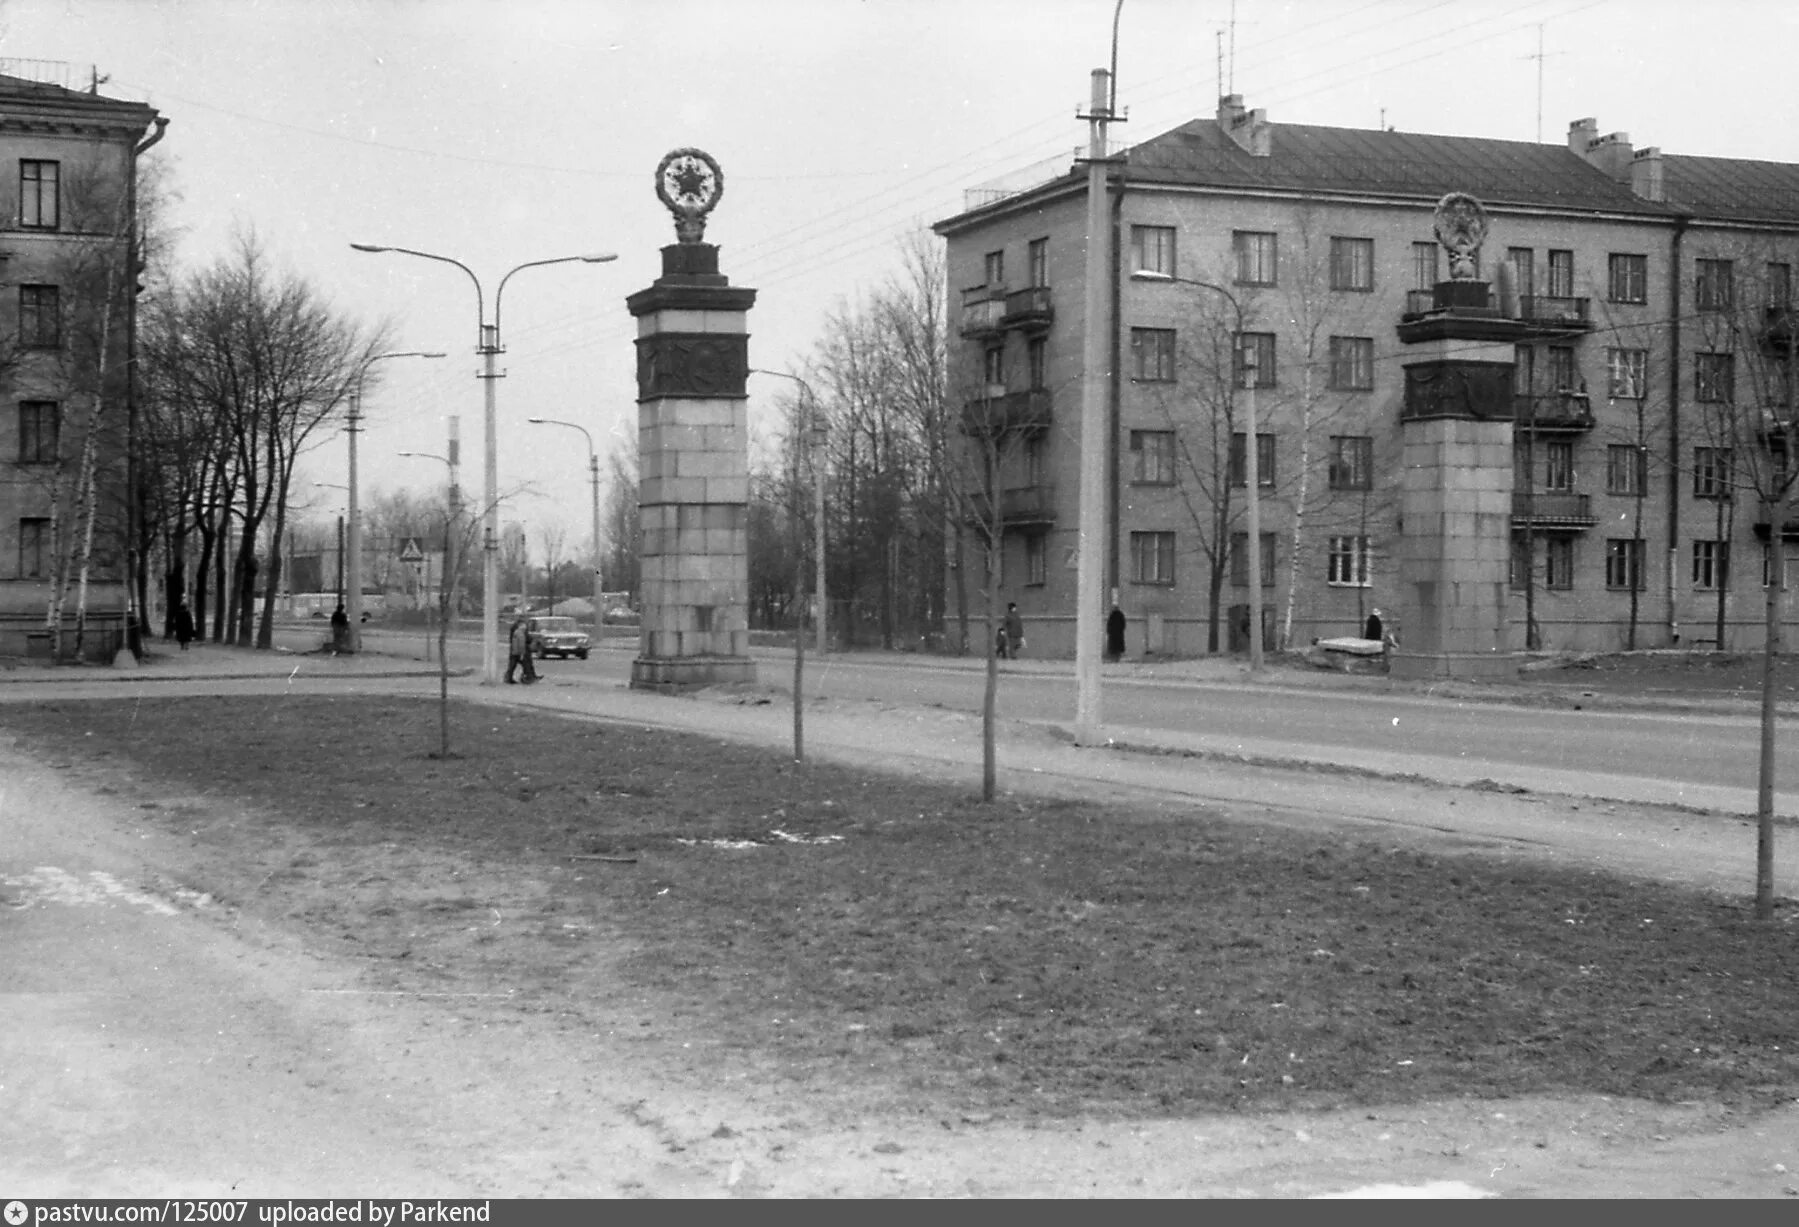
x=1539, y=57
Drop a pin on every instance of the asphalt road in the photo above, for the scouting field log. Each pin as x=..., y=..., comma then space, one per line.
x=1667, y=757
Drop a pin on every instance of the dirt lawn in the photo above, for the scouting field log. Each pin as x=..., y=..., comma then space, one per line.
x=617, y=923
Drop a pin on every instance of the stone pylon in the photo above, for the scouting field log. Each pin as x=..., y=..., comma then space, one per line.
x=693, y=474
x=1456, y=497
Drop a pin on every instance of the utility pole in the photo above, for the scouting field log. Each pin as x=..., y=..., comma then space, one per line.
x=1089, y=617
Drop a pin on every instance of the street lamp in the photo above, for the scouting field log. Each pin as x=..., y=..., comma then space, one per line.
x=816, y=435
x=488, y=346
x=354, y=612
x=593, y=474
x=1244, y=361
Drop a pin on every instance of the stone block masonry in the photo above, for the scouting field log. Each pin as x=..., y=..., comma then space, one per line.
x=693, y=475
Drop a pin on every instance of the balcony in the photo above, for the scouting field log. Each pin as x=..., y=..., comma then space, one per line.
x=1021, y=507
x=1555, y=413
x=1554, y=313
x=983, y=310
x=1002, y=413
x=1551, y=509
x=1029, y=309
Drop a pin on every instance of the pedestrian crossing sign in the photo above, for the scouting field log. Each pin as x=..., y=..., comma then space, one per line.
x=410, y=552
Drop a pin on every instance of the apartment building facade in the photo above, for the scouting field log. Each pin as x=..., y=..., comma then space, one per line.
x=68, y=165
x=1646, y=298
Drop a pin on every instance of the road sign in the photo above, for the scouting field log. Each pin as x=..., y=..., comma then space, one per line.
x=410, y=552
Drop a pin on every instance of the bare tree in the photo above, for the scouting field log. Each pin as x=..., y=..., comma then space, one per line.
x=275, y=363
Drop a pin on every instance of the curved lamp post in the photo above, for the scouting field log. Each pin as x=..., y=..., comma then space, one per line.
x=488, y=346
x=354, y=610
x=593, y=476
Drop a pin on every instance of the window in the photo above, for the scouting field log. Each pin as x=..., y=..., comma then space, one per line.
x=1780, y=286
x=1716, y=289
x=1627, y=373
x=1524, y=270
x=1152, y=457
x=1624, y=563
x=1563, y=377
x=1629, y=278
x=1261, y=345
x=993, y=370
x=1037, y=257
x=1352, y=264
x=1352, y=462
x=1152, y=249
x=1348, y=565
x=1152, y=558
x=1264, y=460
x=40, y=197
x=996, y=268
x=39, y=424
x=1352, y=363
x=1561, y=274
x=1255, y=257
x=1558, y=562
x=1626, y=469
x=34, y=547
x=1152, y=354
x=1424, y=266
x=1240, y=560
x=1033, y=460
x=1711, y=472
x=1558, y=465
x=1524, y=370
x=1036, y=358
x=1714, y=377
x=40, y=317
x=1036, y=554
x=1711, y=564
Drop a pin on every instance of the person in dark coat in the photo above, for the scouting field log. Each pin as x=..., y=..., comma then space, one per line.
x=1373, y=630
x=1115, y=634
x=518, y=652
x=340, y=630
x=1012, y=633
x=184, y=625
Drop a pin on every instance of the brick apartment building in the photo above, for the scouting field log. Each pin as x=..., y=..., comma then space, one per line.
x=1647, y=297
x=68, y=164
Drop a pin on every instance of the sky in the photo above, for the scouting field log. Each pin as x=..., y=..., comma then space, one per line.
x=497, y=132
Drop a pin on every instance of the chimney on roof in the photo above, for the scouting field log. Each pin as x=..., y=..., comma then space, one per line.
x=1646, y=174
x=1610, y=153
x=1250, y=129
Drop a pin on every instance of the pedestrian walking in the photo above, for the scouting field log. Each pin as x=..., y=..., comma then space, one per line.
x=1374, y=627
x=518, y=653
x=1012, y=634
x=340, y=630
x=184, y=625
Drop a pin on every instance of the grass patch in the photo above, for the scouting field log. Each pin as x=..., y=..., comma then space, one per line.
x=1029, y=957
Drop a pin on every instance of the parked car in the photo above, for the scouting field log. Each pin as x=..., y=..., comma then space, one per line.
x=556, y=636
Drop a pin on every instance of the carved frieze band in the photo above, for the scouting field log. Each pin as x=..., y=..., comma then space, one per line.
x=1458, y=390
x=692, y=364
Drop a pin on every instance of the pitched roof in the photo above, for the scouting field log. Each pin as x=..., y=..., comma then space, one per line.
x=1309, y=158
x=1734, y=189
x=21, y=95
